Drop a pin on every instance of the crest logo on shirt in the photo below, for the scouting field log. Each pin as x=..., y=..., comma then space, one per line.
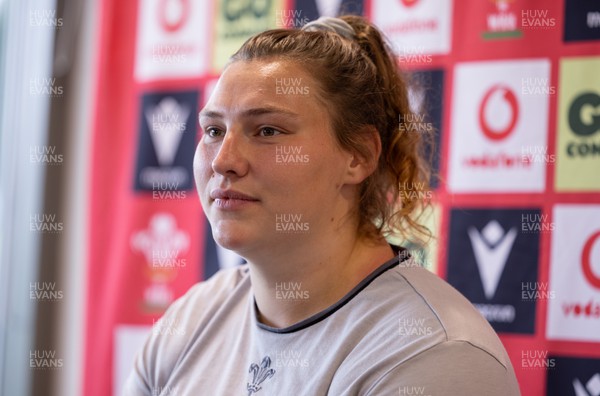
x=259, y=375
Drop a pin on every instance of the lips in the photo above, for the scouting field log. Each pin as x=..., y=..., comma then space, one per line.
x=230, y=194
x=231, y=200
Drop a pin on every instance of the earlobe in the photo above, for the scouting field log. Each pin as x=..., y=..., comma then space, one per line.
x=362, y=164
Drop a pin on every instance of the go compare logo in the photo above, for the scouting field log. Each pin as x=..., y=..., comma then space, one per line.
x=584, y=121
x=578, y=143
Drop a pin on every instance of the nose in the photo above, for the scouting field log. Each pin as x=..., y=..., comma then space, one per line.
x=230, y=158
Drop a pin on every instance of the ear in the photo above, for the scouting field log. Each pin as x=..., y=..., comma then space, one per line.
x=362, y=164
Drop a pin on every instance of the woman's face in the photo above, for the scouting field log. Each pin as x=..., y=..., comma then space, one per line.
x=268, y=168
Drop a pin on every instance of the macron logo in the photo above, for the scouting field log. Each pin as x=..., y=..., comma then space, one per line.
x=592, y=388
x=491, y=248
x=166, y=122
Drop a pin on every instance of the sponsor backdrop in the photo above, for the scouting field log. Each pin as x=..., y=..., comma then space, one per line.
x=512, y=88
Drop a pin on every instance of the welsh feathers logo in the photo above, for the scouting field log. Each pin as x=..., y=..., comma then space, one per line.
x=163, y=246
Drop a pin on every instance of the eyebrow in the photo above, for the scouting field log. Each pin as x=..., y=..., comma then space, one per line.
x=253, y=112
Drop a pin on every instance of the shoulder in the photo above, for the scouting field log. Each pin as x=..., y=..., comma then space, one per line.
x=171, y=335
x=460, y=320
x=449, y=368
x=424, y=331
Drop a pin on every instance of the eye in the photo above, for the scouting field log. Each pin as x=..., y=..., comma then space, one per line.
x=213, y=132
x=268, y=131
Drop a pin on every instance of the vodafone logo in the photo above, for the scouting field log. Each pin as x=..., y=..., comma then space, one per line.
x=498, y=112
x=586, y=261
x=409, y=3
x=591, y=307
x=173, y=14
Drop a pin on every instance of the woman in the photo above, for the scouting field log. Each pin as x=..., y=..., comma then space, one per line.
x=302, y=169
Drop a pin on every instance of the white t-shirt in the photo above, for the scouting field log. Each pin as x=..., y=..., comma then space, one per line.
x=401, y=331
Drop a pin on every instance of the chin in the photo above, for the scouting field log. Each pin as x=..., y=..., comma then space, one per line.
x=231, y=237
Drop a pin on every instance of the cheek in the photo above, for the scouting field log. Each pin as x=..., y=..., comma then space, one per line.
x=202, y=165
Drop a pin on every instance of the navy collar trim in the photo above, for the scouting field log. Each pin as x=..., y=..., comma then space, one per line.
x=401, y=255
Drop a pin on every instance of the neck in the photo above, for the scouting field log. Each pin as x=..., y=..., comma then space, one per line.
x=306, y=278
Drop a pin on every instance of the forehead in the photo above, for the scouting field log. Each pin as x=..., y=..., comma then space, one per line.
x=284, y=83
